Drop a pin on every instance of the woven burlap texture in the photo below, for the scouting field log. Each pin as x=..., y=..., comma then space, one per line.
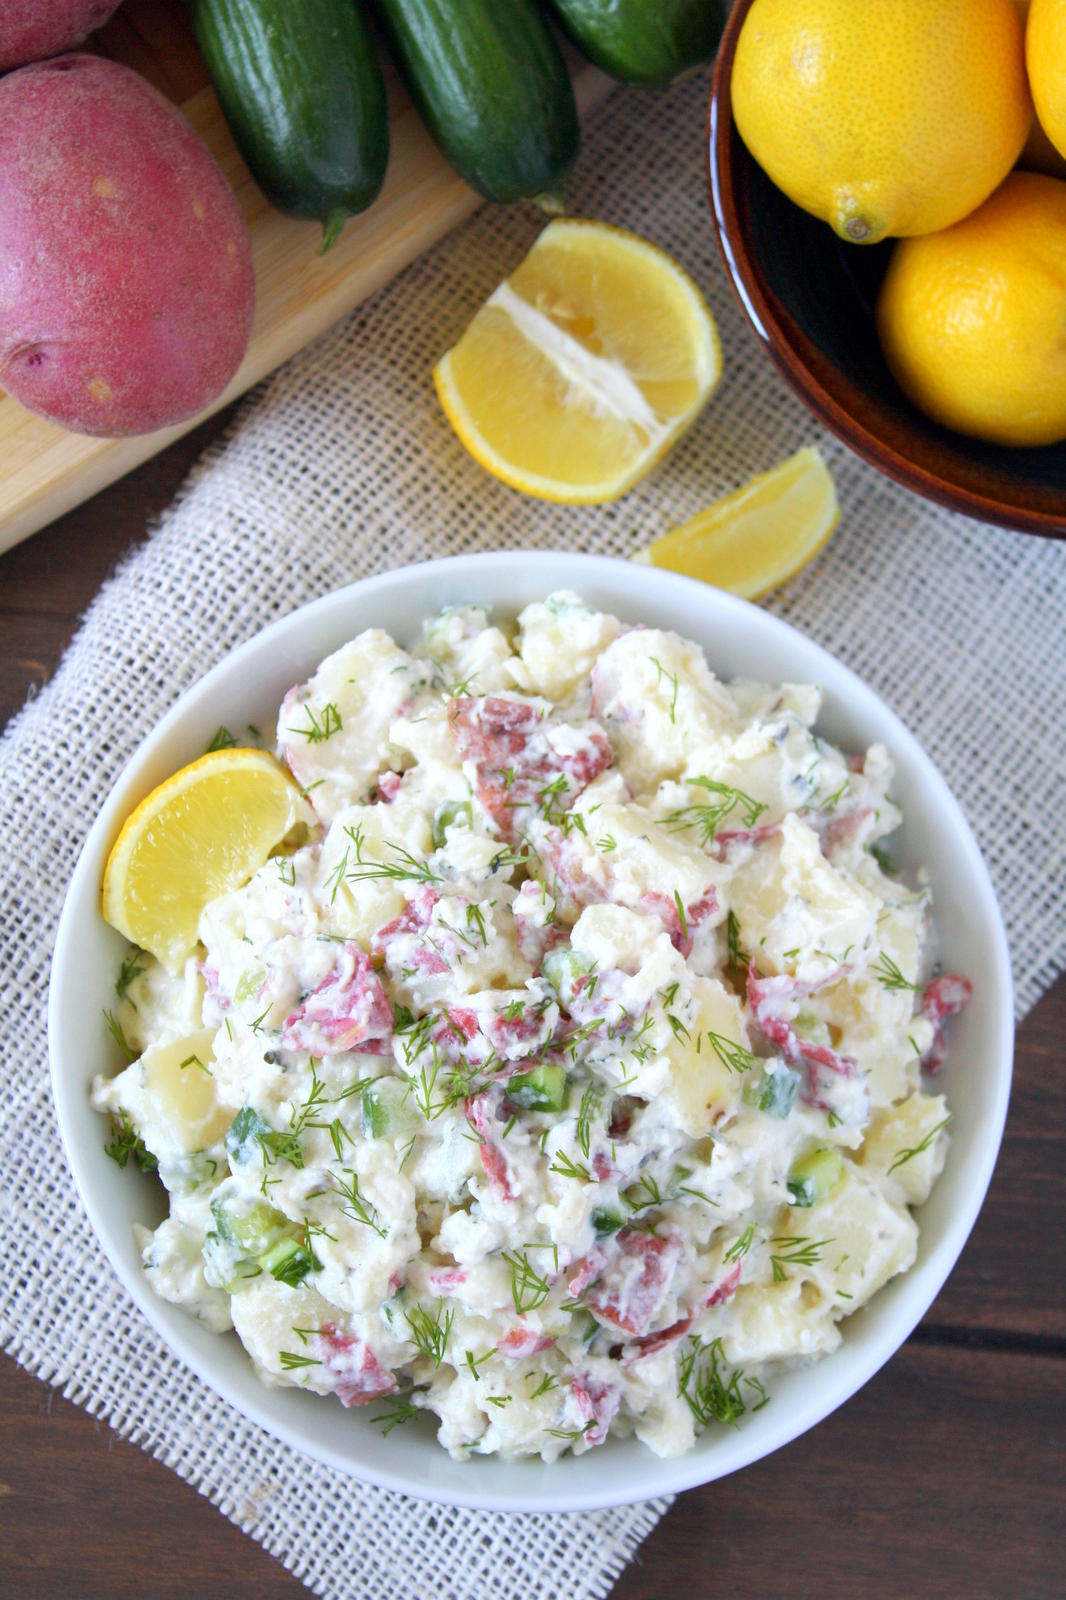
x=342, y=465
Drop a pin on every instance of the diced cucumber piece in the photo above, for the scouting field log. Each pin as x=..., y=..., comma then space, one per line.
x=808, y=1026
x=289, y=1262
x=249, y=1225
x=249, y=984
x=774, y=1092
x=245, y=1138
x=447, y=815
x=388, y=1110
x=563, y=968
x=606, y=1222
x=225, y=1265
x=816, y=1176
x=543, y=1089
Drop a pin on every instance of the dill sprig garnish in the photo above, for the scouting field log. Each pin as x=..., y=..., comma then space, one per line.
x=290, y=1360
x=127, y=1143
x=114, y=1028
x=903, y=1156
x=651, y=1194
x=406, y=868
x=397, y=1412
x=589, y=1102
x=569, y=1169
x=709, y=818
x=734, y=1057
x=547, y=1382
x=671, y=677
x=741, y=1246
x=316, y=732
x=889, y=975
x=223, y=740
x=705, y=1389
x=802, y=1252
x=131, y=968
x=430, y=1330
x=356, y=1207
x=529, y=1288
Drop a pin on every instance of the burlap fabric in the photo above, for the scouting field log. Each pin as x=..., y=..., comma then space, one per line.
x=340, y=466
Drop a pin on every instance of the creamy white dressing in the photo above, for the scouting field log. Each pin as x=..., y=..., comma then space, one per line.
x=570, y=1078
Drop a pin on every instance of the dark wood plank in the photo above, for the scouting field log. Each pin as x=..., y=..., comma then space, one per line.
x=942, y=1478
x=1011, y=1276
x=85, y=1516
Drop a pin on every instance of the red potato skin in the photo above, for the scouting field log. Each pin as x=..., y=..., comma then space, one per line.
x=126, y=282
x=32, y=29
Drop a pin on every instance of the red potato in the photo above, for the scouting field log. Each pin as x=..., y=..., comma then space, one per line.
x=126, y=282
x=32, y=29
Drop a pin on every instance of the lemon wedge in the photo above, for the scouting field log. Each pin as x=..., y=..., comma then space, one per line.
x=756, y=537
x=200, y=834
x=584, y=366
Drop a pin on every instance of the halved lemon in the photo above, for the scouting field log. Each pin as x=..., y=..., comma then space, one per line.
x=756, y=537
x=584, y=367
x=200, y=834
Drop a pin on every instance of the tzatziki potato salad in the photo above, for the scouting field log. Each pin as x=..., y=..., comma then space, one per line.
x=563, y=1072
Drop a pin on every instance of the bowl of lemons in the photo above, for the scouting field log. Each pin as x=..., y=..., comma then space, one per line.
x=889, y=188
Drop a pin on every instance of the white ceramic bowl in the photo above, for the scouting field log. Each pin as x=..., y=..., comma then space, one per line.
x=739, y=639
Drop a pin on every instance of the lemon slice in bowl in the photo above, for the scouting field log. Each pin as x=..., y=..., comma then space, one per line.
x=200, y=834
x=584, y=367
x=753, y=539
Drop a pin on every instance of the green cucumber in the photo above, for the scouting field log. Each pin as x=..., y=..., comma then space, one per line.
x=773, y=1093
x=388, y=1110
x=449, y=814
x=491, y=86
x=302, y=91
x=606, y=1222
x=543, y=1089
x=815, y=1177
x=644, y=41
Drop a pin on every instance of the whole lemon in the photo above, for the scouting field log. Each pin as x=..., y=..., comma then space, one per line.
x=973, y=320
x=1045, y=56
x=883, y=116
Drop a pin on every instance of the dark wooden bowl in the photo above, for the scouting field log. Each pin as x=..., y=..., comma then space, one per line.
x=810, y=298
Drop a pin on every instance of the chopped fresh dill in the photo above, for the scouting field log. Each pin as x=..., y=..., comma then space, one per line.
x=131, y=968
x=572, y=1434
x=286, y=870
x=289, y=1360
x=404, y=869
x=682, y=922
x=734, y=1057
x=835, y=1121
x=888, y=973
x=223, y=740
x=397, y=1412
x=607, y=843
x=708, y=818
x=651, y=1195
x=737, y=958
x=114, y=1028
x=430, y=1330
x=741, y=1246
x=671, y=677
x=569, y=1169
x=473, y=1362
x=356, y=1207
x=589, y=1102
x=317, y=732
x=194, y=1061
x=709, y=1395
x=498, y=1399
x=883, y=859
x=128, y=1142
x=546, y=1383
x=801, y=1252
x=903, y=1156
x=529, y=1288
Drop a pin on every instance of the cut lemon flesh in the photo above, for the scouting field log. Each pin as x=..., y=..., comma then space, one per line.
x=756, y=537
x=200, y=834
x=584, y=367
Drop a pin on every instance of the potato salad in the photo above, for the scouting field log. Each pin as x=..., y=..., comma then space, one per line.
x=564, y=1071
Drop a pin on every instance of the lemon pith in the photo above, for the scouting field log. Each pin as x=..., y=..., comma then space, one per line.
x=583, y=368
x=199, y=834
x=891, y=117
x=763, y=533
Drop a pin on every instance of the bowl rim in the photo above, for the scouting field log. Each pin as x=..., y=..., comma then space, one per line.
x=694, y=1467
x=799, y=360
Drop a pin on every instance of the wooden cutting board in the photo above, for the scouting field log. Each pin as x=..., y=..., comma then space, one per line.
x=299, y=294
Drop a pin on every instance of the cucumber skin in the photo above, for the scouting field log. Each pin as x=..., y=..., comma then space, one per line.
x=301, y=89
x=644, y=41
x=491, y=86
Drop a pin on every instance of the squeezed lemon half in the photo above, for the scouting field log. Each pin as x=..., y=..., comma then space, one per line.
x=200, y=834
x=756, y=537
x=584, y=366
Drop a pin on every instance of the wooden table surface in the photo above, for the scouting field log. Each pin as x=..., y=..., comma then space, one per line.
x=945, y=1477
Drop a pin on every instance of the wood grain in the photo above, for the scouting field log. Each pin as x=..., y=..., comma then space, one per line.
x=44, y=471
